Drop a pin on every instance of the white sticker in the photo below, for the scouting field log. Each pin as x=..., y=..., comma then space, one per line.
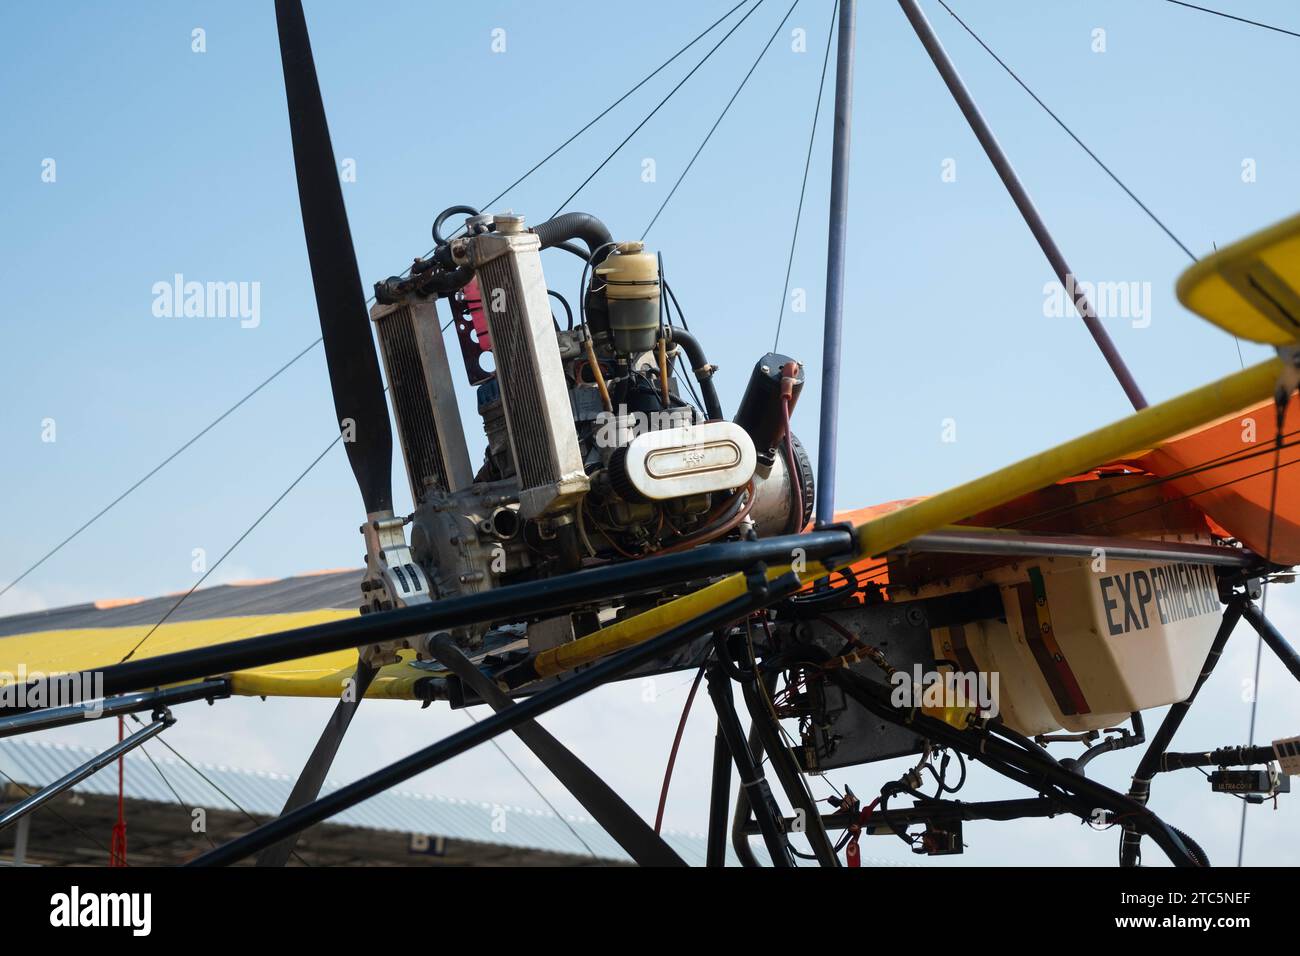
x=1288, y=755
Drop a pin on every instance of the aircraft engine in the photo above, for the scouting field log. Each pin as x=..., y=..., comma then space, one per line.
x=594, y=451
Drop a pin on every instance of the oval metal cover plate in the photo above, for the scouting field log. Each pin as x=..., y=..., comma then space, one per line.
x=690, y=460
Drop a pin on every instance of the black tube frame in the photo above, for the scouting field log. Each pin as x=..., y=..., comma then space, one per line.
x=719, y=803
x=1081, y=795
x=787, y=771
x=940, y=811
x=761, y=592
x=836, y=238
x=599, y=799
x=511, y=602
x=752, y=781
x=1272, y=637
x=1140, y=787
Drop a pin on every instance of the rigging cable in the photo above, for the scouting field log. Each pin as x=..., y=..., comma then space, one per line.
x=1059, y=122
x=1219, y=461
x=720, y=118
x=238, y=541
x=158, y=467
x=1229, y=16
x=671, y=93
x=1283, y=403
x=49, y=809
x=175, y=793
x=537, y=790
x=870, y=575
x=866, y=575
x=1084, y=146
x=605, y=112
x=1254, y=706
x=1240, y=359
x=206, y=779
x=807, y=165
x=317, y=341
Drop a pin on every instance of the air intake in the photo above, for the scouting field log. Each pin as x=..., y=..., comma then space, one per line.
x=543, y=440
x=419, y=384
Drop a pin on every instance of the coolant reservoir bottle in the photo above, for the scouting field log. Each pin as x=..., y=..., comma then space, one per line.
x=632, y=289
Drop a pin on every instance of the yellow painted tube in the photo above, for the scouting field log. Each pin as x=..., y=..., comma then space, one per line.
x=255, y=683
x=1142, y=430
x=642, y=627
x=1139, y=431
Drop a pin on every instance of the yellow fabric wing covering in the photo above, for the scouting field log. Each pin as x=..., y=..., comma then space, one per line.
x=88, y=637
x=1250, y=287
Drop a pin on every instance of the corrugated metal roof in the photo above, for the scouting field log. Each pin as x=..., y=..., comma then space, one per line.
x=36, y=763
x=305, y=592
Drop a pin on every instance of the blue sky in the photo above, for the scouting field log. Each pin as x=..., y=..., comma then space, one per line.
x=171, y=161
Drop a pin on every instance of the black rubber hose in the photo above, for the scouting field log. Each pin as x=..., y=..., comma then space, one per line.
x=576, y=225
x=573, y=248
x=446, y=214
x=722, y=655
x=1136, y=739
x=445, y=283
x=568, y=309
x=1192, y=846
x=1002, y=730
x=1222, y=757
x=703, y=372
x=744, y=811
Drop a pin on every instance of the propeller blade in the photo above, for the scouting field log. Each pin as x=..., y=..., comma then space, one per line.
x=606, y=807
x=307, y=787
x=340, y=302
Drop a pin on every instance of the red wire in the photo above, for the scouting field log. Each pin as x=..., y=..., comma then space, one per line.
x=795, y=523
x=852, y=853
x=672, y=755
x=117, y=848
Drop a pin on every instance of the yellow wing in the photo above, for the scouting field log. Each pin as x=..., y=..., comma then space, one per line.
x=90, y=636
x=1249, y=288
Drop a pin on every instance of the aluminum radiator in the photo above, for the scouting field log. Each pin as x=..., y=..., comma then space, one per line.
x=424, y=402
x=543, y=439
